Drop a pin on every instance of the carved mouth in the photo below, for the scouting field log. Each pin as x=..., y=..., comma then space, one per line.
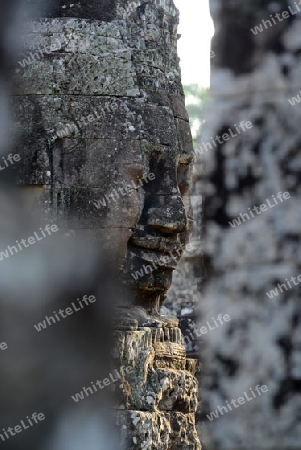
x=159, y=245
x=159, y=259
x=153, y=258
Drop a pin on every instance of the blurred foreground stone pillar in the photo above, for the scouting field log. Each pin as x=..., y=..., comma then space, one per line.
x=255, y=75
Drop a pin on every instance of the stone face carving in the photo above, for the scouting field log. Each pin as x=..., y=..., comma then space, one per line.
x=160, y=236
x=107, y=140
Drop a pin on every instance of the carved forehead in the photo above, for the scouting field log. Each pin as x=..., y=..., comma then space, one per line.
x=121, y=91
x=138, y=131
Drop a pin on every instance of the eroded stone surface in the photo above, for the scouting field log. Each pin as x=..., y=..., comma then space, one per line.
x=159, y=431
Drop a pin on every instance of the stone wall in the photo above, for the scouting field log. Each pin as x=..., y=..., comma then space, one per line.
x=253, y=77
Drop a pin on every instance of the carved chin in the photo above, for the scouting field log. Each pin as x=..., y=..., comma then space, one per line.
x=149, y=271
x=158, y=281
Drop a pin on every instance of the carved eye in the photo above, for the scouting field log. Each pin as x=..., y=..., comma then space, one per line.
x=184, y=176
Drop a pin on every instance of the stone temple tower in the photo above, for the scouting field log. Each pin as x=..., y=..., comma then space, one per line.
x=107, y=152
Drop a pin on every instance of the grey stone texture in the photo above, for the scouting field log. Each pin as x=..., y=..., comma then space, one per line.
x=105, y=143
x=253, y=76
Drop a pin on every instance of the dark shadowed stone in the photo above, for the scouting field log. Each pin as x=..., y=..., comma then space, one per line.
x=84, y=9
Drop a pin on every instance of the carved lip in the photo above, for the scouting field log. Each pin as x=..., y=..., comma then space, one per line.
x=157, y=259
x=159, y=245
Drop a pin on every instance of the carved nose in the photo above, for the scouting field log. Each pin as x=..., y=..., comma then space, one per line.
x=170, y=217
